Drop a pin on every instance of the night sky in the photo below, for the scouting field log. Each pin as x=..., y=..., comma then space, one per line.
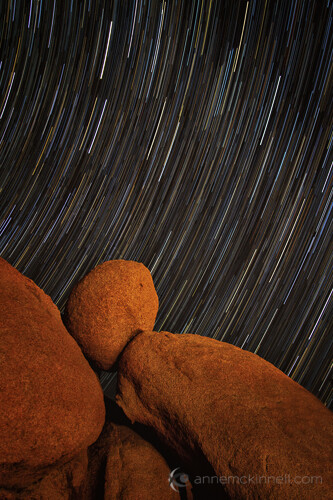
x=193, y=136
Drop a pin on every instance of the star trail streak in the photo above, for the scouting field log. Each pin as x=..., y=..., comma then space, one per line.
x=195, y=137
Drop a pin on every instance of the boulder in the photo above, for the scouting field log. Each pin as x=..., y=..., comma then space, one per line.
x=108, y=307
x=135, y=469
x=129, y=459
x=218, y=406
x=51, y=401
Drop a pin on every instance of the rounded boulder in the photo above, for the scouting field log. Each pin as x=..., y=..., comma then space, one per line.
x=51, y=401
x=108, y=307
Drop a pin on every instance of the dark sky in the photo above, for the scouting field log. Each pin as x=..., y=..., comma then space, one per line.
x=195, y=137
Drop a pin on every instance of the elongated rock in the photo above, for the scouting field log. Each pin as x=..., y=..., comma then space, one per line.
x=264, y=435
x=110, y=305
x=51, y=402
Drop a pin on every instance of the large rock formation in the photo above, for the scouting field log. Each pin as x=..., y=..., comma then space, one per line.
x=234, y=422
x=110, y=305
x=51, y=402
x=263, y=434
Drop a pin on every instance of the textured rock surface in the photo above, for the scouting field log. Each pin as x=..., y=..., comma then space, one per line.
x=124, y=460
x=65, y=482
x=108, y=306
x=51, y=402
x=135, y=469
x=215, y=403
x=97, y=455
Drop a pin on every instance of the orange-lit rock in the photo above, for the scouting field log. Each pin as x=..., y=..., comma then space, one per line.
x=63, y=482
x=126, y=464
x=108, y=306
x=97, y=455
x=135, y=469
x=216, y=404
x=51, y=402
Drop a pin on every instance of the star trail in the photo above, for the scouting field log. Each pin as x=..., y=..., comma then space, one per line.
x=195, y=137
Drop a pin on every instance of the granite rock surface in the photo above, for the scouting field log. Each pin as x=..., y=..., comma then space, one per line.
x=222, y=407
x=108, y=307
x=51, y=401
